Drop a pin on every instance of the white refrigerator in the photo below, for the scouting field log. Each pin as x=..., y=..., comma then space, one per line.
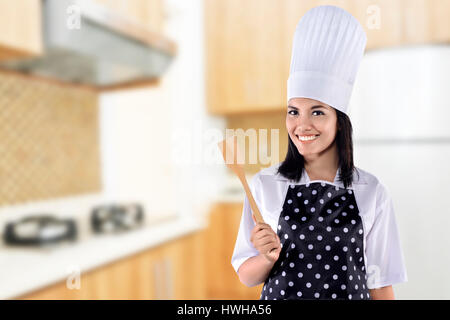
x=400, y=112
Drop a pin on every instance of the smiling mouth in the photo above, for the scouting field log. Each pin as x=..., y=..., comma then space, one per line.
x=307, y=138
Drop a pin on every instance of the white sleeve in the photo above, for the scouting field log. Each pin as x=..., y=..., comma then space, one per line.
x=243, y=248
x=385, y=261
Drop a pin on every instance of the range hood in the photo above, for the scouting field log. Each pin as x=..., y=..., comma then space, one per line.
x=106, y=50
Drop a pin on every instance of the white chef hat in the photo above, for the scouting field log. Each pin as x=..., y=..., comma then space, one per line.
x=327, y=49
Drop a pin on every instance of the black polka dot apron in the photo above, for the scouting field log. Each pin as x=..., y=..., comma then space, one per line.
x=321, y=235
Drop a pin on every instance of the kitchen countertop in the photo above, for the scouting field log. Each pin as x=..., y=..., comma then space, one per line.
x=27, y=269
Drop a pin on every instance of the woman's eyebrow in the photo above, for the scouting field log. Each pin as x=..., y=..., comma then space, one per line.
x=313, y=107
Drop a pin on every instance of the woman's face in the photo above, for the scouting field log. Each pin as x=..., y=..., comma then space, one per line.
x=311, y=124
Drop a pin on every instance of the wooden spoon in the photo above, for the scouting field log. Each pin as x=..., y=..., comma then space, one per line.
x=229, y=149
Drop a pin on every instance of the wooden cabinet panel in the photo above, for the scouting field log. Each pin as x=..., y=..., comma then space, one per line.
x=134, y=277
x=248, y=43
x=381, y=20
x=147, y=12
x=221, y=278
x=402, y=22
x=244, y=55
x=416, y=21
x=184, y=264
x=20, y=22
x=439, y=21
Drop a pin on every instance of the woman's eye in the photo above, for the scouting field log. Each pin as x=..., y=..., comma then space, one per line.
x=316, y=112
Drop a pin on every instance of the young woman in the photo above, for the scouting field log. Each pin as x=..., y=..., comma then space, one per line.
x=330, y=229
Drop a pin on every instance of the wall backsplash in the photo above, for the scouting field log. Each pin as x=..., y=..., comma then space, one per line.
x=268, y=121
x=49, y=140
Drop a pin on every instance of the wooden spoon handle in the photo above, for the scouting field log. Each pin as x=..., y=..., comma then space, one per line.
x=253, y=205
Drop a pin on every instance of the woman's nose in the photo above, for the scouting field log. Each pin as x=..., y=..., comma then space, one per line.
x=304, y=123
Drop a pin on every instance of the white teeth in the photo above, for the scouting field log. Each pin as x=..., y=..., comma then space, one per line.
x=307, y=138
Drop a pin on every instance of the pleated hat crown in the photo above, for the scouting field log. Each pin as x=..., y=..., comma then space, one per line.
x=327, y=49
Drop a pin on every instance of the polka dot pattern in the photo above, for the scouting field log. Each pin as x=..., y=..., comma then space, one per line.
x=322, y=256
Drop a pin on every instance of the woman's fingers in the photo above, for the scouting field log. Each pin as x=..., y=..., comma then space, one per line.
x=257, y=234
x=268, y=238
x=263, y=237
x=260, y=226
x=262, y=233
x=257, y=229
x=268, y=248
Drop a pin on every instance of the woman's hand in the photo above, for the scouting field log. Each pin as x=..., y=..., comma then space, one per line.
x=266, y=241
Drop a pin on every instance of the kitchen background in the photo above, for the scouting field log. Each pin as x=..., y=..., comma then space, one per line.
x=112, y=186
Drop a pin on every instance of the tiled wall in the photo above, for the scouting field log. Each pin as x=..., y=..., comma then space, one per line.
x=49, y=140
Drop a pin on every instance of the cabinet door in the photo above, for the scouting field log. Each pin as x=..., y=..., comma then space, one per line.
x=381, y=20
x=402, y=22
x=20, y=22
x=184, y=268
x=439, y=20
x=146, y=12
x=139, y=276
x=244, y=55
x=134, y=277
x=221, y=278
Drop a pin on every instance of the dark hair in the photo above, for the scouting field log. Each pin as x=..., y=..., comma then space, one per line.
x=293, y=164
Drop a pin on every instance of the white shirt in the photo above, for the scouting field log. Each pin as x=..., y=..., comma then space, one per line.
x=383, y=256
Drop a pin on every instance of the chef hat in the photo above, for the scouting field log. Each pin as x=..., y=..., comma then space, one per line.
x=327, y=49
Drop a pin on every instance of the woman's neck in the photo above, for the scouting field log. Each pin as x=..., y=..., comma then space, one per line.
x=323, y=166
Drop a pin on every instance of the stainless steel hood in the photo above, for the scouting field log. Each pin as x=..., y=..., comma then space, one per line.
x=106, y=50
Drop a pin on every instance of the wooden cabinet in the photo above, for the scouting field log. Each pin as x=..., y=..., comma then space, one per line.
x=244, y=55
x=174, y=270
x=20, y=22
x=401, y=22
x=185, y=265
x=248, y=43
x=116, y=280
x=439, y=20
x=149, y=13
x=222, y=280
